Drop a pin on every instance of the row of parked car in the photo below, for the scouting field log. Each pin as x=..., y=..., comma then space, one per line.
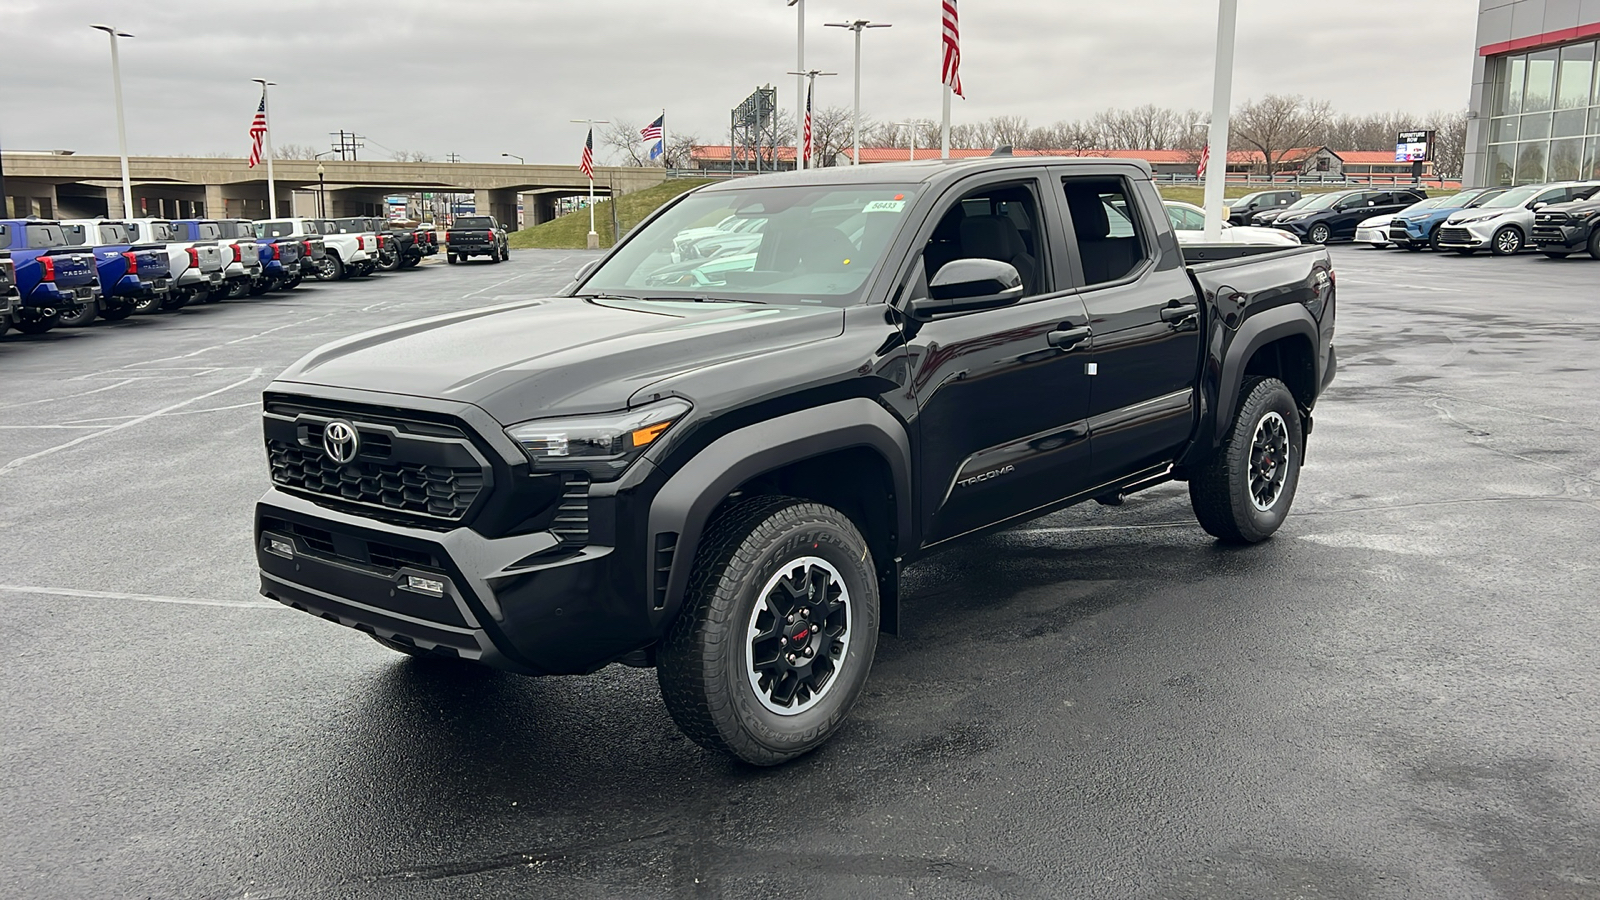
x=73, y=271
x=1557, y=219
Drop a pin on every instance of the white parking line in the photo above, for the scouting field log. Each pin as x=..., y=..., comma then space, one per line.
x=17, y=463
x=146, y=598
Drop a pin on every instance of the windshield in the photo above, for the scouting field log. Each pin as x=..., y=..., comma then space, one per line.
x=114, y=233
x=1302, y=203
x=472, y=222
x=1514, y=197
x=1431, y=203
x=1324, y=201
x=1479, y=198
x=816, y=244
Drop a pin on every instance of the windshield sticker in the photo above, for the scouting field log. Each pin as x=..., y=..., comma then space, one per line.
x=893, y=206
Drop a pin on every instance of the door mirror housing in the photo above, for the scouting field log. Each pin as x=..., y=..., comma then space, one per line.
x=969, y=285
x=584, y=272
x=1537, y=205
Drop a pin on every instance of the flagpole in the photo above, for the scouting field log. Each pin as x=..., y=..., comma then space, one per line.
x=1221, y=102
x=594, y=237
x=664, y=159
x=266, y=146
x=944, y=126
x=800, y=78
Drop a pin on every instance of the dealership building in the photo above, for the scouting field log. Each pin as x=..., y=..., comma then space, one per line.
x=1535, y=109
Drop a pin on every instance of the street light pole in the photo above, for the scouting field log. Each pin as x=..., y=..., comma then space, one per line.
x=810, y=80
x=800, y=80
x=1221, y=103
x=858, y=26
x=122, y=130
x=911, y=128
x=594, y=237
x=266, y=143
x=519, y=159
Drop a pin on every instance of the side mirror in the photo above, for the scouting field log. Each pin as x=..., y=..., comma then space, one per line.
x=969, y=285
x=1537, y=205
x=588, y=267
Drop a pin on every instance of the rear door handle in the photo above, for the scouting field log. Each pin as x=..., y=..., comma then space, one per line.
x=1068, y=338
x=1178, y=313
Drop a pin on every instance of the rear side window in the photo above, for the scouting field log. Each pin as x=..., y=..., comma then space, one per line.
x=75, y=235
x=5, y=236
x=209, y=231
x=114, y=234
x=44, y=237
x=275, y=229
x=1110, y=237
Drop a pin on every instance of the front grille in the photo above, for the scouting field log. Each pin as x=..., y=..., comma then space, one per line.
x=1556, y=219
x=446, y=492
x=1399, y=225
x=1455, y=236
x=350, y=549
x=421, y=466
x=571, y=523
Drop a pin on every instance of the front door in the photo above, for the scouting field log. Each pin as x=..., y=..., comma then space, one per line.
x=1002, y=394
x=1146, y=322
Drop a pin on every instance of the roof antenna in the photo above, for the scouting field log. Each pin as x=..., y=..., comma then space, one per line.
x=1002, y=150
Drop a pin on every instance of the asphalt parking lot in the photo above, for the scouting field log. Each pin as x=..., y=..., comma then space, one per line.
x=1393, y=698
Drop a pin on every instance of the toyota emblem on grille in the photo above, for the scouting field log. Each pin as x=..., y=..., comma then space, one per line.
x=340, y=441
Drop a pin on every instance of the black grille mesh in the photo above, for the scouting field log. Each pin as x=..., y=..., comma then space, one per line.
x=443, y=491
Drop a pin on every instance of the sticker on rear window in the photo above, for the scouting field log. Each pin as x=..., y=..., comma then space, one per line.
x=886, y=206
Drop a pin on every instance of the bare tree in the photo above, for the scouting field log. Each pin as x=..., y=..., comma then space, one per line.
x=679, y=152
x=830, y=135
x=621, y=137
x=1450, y=142
x=411, y=156
x=294, y=151
x=1278, y=123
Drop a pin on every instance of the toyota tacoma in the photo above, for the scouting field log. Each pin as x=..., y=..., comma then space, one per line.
x=719, y=472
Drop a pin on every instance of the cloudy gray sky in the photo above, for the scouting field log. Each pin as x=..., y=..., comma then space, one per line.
x=482, y=77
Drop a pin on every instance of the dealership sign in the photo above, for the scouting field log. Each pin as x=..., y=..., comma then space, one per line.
x=1413, y=146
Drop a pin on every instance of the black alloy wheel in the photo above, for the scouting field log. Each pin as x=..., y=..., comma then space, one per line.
x=83, y=315
x=116, y=313
x=777, y=631
x=1243, y=493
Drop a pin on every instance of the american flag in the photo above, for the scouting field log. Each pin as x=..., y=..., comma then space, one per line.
x=652, y=132
x=807, y=151
x=587, y=163
x=952, y=48
x=1205, y=157
x=258, y=131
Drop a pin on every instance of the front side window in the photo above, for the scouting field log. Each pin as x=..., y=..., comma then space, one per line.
x=1109, y=236
x=815, y=245
x=1000, y=223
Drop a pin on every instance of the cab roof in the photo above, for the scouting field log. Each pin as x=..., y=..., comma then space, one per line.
x=938, y=171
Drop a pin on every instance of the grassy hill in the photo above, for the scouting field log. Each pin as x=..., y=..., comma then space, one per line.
x=571, y=231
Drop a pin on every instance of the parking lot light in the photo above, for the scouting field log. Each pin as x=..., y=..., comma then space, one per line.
x=122, y=129
x=520, y=160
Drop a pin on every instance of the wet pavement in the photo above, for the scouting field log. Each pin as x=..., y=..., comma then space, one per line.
x=1393, y=698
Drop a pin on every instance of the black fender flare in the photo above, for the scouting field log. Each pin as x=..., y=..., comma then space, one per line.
x=1257, y=331
x=685, y=503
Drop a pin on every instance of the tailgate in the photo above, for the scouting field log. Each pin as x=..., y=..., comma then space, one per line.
x=469, y=238
x=73, y=268
x=210, y=257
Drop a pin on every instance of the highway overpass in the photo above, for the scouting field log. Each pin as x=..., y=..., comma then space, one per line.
x=58, y=185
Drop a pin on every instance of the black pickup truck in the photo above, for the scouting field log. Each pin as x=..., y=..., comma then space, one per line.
x=476, y=236
x=1562, y=229
x=719, y=471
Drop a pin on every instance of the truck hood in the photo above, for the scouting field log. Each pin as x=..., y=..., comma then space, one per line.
x=561, y=355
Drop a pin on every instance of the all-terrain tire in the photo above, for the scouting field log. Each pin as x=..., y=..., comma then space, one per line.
x=38, y=326
x=116, y=313
x=705, y=663
x=84, y=314
x=1228, y=490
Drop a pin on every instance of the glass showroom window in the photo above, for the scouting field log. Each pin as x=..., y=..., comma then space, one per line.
x=1545, y=117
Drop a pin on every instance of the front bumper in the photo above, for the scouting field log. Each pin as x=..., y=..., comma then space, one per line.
x=1378, y=235
x=1470, y=236
x=1571, y=236
x=501, y=603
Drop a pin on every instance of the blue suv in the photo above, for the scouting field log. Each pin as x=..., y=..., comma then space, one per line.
x=1417, y=225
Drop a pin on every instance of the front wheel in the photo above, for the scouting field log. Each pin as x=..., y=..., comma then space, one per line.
x=1319, y=234
x=1377, y=246
x=1243, y=493
x=1556, y=254
x=1507, y=241
x=777, y=633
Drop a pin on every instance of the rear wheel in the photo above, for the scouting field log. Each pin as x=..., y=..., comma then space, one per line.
x=81, y=316
x=238, y=289
x=777, y=633
x=116, y=313
x=329, y=268
x=453, y=259
x=148, y=304
x=1594, y=244
x=1319, y=234
x=291, y=284
x=1507, y=241
x=1243, y=493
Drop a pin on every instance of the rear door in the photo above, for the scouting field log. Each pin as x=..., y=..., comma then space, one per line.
x=1002, y=394
x=1144, y=316
x=1352, y=211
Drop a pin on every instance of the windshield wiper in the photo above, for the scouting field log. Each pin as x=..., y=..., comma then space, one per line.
x=703, y=298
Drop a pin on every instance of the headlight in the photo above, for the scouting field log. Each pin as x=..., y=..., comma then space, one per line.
x=602, y=445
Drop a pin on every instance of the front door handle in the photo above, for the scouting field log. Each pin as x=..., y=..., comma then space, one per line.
x=1068, y=338
x=1175, y=314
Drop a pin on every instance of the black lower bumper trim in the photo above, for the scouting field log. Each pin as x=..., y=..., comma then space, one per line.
x=465, y=643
